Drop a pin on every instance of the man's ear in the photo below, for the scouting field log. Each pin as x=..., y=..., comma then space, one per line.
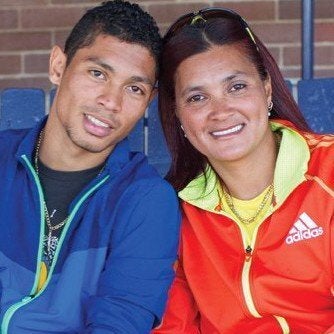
x=57, y=65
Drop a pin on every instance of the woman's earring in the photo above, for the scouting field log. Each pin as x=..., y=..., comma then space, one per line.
x=183, y=131
x=270, y=107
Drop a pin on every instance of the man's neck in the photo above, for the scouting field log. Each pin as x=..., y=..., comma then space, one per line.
x=59, y=153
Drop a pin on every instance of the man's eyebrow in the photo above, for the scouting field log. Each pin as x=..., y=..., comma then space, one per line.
x=143, y=80
x=109, y=68
x=100, y=63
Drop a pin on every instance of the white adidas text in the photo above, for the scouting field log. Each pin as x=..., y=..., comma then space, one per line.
x=304, y=228
x=304, y=235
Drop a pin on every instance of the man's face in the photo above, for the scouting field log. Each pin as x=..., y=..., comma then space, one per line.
x=101, y=94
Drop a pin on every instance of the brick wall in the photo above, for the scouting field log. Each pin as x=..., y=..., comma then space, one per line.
x=28, y=29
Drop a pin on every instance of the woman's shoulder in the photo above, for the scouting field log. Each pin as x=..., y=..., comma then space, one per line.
x=321, y=163
x=316, y=140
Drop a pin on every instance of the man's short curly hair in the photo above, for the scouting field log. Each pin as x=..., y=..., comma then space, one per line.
x=118, y=18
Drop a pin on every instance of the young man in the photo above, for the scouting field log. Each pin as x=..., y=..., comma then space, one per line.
x=88, y=229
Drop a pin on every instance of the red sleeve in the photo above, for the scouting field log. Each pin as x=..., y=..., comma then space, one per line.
x=181, y=315
x=330, y=330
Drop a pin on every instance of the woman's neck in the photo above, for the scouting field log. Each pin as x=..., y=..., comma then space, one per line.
x=246, y=178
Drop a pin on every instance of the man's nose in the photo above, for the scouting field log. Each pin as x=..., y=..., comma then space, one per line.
x=110, y=97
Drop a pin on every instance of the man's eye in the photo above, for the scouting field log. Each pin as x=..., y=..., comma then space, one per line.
x=97, y=74
x=136, y=90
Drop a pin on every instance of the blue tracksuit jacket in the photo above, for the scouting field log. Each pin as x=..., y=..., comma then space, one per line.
x=113, y=265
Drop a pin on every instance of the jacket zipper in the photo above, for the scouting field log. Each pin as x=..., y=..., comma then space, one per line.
x=13, y=308
x=248, y=246
x=245, y=282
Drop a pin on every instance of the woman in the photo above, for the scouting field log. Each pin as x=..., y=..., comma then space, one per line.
x=256, y=187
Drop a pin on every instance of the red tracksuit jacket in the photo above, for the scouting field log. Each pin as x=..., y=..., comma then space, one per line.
x=285, y=284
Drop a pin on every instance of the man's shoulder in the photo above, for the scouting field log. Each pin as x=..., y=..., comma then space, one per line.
x=146, y=176
x=11, y=139
x=139, y=179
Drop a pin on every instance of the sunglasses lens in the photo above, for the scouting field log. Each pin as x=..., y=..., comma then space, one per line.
x=204, y=15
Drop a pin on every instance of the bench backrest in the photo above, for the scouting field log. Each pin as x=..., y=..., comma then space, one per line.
x=23, y=107
x=316, y=100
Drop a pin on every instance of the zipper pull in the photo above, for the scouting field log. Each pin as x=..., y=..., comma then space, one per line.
x=27, y=298
x=248, y=253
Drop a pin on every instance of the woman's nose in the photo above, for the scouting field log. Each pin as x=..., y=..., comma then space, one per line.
x=221, y=107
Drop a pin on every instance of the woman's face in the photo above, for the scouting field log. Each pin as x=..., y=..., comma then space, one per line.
x=223, y=104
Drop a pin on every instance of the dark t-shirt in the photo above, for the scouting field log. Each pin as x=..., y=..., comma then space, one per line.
x=60, y=188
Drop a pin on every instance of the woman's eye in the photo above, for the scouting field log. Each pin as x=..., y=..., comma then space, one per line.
x=237, y=87
x=195, y=98
x=97, y=74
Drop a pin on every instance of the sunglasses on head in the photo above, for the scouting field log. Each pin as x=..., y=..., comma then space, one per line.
x=204, y=15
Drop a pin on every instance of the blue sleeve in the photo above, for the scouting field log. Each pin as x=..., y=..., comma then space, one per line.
x=139, y=270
